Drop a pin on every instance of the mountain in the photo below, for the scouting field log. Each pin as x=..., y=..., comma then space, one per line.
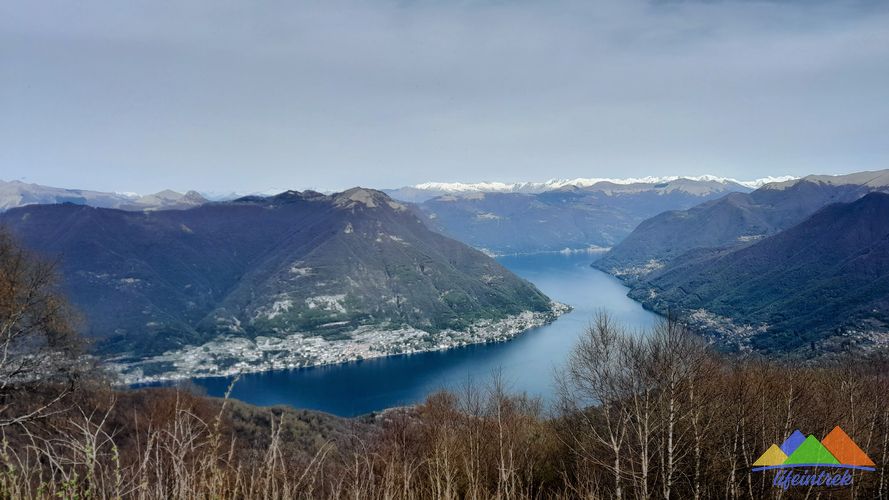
x=598, y=215
x=735, y=219
x=428, y=190
x=16, y=194
x=822, y=285
x=165, y=200
x=304, y=268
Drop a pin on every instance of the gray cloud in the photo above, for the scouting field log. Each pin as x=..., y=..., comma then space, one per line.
x=248, y=96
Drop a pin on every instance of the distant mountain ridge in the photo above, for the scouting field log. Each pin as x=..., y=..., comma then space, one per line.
x=424, y=191
x=571, y=217
x=17, y=194
x=819, y=286
x=735, y=219
x=793, y=267
x=304, y=268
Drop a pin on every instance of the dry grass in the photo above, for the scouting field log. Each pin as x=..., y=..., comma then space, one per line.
x=671, y=420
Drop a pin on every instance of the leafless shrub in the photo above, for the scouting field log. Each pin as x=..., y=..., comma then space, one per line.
x=37, y=340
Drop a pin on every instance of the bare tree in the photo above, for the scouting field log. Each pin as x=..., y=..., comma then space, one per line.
x=642, y=389
x=677, y=358
x=37, y=340
x=592, y=392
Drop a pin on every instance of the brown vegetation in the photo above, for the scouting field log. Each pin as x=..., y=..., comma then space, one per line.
x=37, y=340
x=645, y=415
x=652, y=416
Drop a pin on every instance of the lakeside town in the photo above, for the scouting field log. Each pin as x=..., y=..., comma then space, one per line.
x=232, y=355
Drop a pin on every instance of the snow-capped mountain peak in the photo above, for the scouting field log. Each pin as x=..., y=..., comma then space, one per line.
x=530, y=187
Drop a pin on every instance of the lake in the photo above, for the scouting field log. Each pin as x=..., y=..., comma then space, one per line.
x=526, y=363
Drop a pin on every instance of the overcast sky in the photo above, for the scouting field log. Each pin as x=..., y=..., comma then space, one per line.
x=249, y=96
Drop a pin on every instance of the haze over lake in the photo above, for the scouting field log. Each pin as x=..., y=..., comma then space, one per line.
x=526, y=362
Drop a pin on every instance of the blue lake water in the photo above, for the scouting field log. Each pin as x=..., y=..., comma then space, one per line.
x=526, y=363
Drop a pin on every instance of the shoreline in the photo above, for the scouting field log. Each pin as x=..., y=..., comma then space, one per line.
x=231, y=356
x=728, y=335
x=565, y=251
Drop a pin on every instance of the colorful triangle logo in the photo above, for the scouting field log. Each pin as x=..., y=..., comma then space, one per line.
x=772, y=456
x=811, y=451
x=837, y=449
x=841, y=446
x=792, y=442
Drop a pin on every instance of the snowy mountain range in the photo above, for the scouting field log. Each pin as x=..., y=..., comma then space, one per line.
x=424, y=191
x=569, y=217
x=587, y=182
